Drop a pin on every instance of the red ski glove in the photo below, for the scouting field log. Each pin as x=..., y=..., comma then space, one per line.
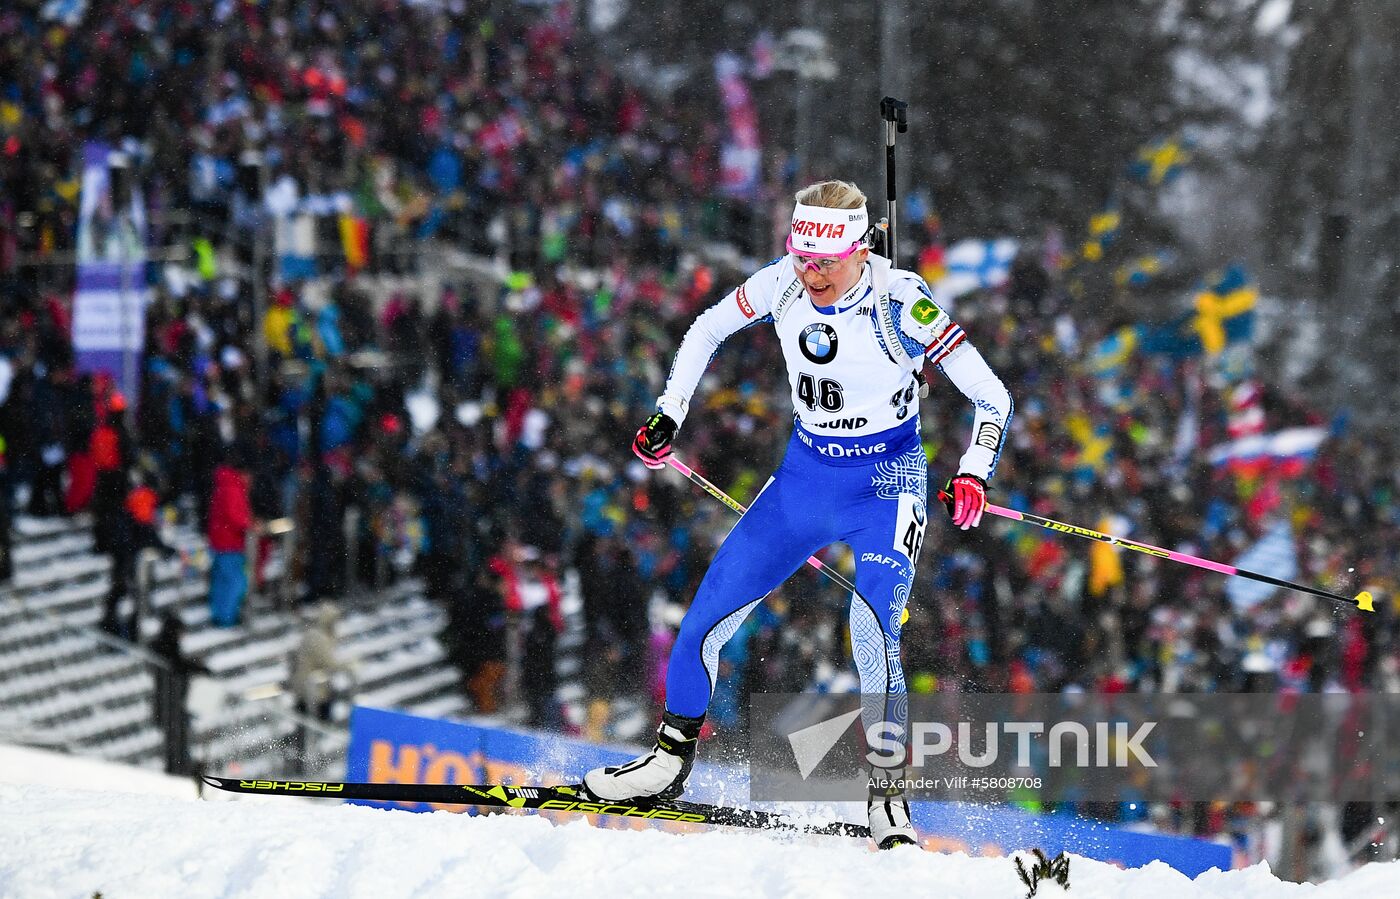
x=965, y=496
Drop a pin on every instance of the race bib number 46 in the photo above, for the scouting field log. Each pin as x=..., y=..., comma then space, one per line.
x=909, y=527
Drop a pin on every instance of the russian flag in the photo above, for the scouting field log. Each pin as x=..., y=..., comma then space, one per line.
x=1285, y=452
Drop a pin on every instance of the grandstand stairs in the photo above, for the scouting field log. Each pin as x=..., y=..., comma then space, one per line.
x=66, y=685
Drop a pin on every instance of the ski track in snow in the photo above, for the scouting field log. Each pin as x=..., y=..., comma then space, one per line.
x=68, y=844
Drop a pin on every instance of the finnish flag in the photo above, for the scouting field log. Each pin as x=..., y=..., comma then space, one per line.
x=974, y=265
x=1275, y=555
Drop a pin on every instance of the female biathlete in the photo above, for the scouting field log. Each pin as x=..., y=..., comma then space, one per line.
x=854, y=333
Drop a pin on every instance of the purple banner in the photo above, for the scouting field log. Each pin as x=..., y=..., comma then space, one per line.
x=109, y=305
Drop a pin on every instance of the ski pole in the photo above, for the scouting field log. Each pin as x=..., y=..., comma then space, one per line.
x=1362, y=600
x=894, y=113
x=699, y=480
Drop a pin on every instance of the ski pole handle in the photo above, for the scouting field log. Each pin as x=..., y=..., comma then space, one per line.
x=1363, y=600
x=894, y=112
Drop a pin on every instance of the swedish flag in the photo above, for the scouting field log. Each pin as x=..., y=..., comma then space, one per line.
x=1225, y=309
x=1103, y=231
x=1109, y=354
x=1143, y=269
x=1161, y=161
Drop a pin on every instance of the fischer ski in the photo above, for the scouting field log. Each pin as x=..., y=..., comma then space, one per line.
x=563, y=798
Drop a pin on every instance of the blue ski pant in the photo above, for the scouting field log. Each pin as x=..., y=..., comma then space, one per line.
x=876, y=504
x=228, y=583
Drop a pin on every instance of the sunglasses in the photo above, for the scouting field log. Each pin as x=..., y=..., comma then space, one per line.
x=824, y=265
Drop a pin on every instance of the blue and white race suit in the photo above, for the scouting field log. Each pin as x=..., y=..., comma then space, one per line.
x=854, y=470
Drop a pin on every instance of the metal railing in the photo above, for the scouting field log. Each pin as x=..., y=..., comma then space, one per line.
x=277, y=588
x=76, y=688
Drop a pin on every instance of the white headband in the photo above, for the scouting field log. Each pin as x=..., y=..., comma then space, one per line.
x=823, y=231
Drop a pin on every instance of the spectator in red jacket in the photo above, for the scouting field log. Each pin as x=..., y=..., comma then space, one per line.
x=109, y=450
x=230, y=518
x=528, y=584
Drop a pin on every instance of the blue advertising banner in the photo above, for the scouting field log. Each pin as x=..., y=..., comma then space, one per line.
x=391, y=747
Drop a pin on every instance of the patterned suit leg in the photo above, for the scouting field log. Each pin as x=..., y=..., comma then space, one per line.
x=886, y=547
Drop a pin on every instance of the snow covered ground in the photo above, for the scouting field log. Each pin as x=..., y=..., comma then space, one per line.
x=68, y=843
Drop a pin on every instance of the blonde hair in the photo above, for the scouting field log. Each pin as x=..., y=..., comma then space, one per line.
x=832, y=195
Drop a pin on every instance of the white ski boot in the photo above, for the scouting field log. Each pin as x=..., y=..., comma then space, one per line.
x=889, y=809
x=660, y=774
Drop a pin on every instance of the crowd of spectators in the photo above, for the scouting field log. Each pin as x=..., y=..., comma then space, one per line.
x=434, y=118
x=487, y=128
x=478, y=437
